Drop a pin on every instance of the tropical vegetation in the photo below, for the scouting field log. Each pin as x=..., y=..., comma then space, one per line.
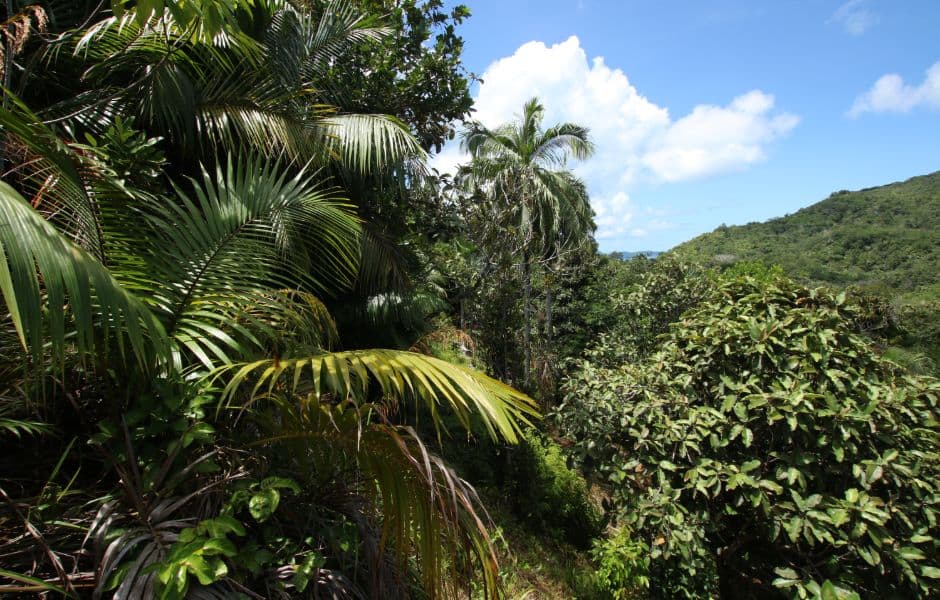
x=882, y=241
x=251, y=346
x=883, y=236
x=178, y=214
x=522, y=186
x=764, y=449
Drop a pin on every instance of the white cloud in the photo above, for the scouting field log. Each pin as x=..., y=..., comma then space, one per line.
x=637, y=141
x=612, y=215
x=573, y=89
x=891, y=94
x=715, y=139
x=855, y=17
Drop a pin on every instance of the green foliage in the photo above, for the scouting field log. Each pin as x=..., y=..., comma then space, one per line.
x=880, y=242
x=198, y=553
x=520, y=172
x=612, y=277
x=262, y=498
x=886, y=236
x=131, y=157
x=918, y=319
x=754, y=269
x=646, y=299
x=172, y=237
x=534, y=485
x=38, y=254
x=414, y=72
x=551, y=496
x=12, y=424
x=404, y=375
x=534, y=565
x=306, y=570
x=623, y=565
x=767, y=442
x=205, y=18
x=522, y=186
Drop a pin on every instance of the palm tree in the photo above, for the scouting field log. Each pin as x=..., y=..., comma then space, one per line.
x=520, y=170
x=251, y=88
x=142, y=301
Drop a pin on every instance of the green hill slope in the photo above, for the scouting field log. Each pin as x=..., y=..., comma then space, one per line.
x=886, y=236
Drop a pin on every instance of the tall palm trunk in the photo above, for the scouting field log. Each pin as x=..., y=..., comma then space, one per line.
x=8, y=50
x=7, y=41
x=548, y=315
x=527, y=317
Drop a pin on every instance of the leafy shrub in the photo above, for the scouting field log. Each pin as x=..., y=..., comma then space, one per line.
x=647, y=306
x=756, y=269
x=767, y=450
x=551, y=495
x=534, y=483
x=622, y=565
x=913, y=361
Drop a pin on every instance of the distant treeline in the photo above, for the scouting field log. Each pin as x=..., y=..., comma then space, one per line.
x=629, y=255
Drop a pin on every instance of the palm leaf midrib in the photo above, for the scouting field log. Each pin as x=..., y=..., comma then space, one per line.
x=176, y=315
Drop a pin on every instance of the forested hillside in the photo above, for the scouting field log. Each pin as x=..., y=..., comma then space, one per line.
x=883, y=236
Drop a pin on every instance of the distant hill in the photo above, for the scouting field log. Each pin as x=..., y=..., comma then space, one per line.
x=628, y=255
x=886, y=237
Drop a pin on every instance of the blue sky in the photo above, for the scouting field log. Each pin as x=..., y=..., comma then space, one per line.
x=716, y=111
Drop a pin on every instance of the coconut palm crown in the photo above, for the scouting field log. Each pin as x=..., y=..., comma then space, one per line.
x=520, y=176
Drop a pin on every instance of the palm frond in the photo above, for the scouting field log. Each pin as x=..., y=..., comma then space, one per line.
x=133, y=531
x=382, y=265
x=156, y=71
x=290, y=318
x=53, y=173
x=367, y=143
x=202, y=278
x=532, y=113
x=229, y=122
x=389, y=320
x=521, y=169
x=555, y=144
x=44, y=275
x=426, y=508
x=339, y=26
x=564, y=214
x=32, y=585
x=204, y=21
x=13, y=419
x=480, y=141
x=399, y=376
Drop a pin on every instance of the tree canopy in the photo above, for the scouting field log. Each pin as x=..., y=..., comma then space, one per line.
x=181, y=208
x=765, y=449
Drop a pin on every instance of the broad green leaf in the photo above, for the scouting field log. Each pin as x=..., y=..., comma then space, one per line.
x=750, y=466
x=263, y=504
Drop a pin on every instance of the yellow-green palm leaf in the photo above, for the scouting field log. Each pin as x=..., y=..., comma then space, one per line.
x=397, y=375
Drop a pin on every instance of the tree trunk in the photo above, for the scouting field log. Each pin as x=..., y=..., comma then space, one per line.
x=527, y=317
x=548, y=316
x=463, y=318
x=8, y=52
x=7, y=64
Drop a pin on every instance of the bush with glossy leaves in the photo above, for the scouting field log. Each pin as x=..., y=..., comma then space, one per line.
x=766, y=450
